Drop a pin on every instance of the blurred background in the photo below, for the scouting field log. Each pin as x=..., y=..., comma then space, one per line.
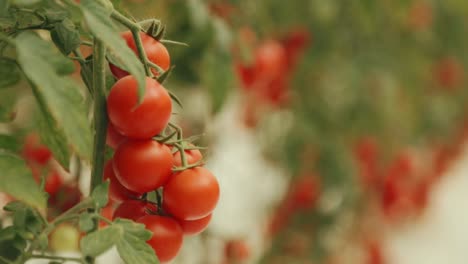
x=337, y=129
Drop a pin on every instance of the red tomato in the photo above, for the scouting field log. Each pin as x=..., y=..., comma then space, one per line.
x=420, y=15
x=106, y=212
x=270, y=60
x=141, y=121
x=246, y=75
x=65, y=198
x=142, y=165
x=34, y=151
x=305, y=192
x=237, y=250
x=134, y=209
x=113, y=138
x=449, y=73
x=191, y=194
x=167, y=237
x=53, y=183
x=117, y=192
x=196, y=226
x=193, y=156
x=155, y=51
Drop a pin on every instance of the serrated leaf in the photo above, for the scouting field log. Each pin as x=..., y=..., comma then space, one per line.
x=132, y=247
x=60, y=94
x=9, y=73
x=98, y=242
x=86, y=223
x=65, y=36
x=100, y=194
x=16, y=179
x=102, y=27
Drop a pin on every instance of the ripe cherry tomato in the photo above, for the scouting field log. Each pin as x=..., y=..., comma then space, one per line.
x=106, y=212
x=305, y=192
x=134, y=209
x=142, y=165
x=155, y=51
x=196, y=226
x=448, y=73
x=53, y=183
x=191, y=194
x=237, y=250
x=113, y=138
x=141, y=121
x=167, y=236
x=117, y=192
x=270, y=60
x=193, y=156
x=34, y=151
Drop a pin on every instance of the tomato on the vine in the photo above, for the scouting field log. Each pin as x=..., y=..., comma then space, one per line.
x=53, y=183
x=133, y=209
x=117, y=192
x=154, y=50
x=237, y=250
x=192, y=155
x=113, y=138
x=167, y=237
x=142, y=165
x=134, y=120
x=194, y=227
x=270, y=60
x=191, y=194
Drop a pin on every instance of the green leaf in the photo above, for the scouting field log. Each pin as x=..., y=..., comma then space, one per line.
x=86, y=223
x=9, y=73
x=128, y=236
x=26, y=220
x=10, y=143
x=16, y=179
x=100, y=196
x=4, y=4
x=11, y=248
x=165, y=75
x=100, y=24
x=66, y=36
x=60, y=94
x=25, y=2
x=98, y=242
x=132, y=247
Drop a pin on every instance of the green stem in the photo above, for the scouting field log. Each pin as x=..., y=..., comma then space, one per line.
x=100, y=113
x=42, y=256
x=135, y=29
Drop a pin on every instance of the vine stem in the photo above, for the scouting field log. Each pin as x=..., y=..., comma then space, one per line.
x=100, y=118
x=39, y=256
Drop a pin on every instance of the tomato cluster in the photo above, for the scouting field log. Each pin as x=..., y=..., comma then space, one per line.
x=62, y=195
x=186, y=192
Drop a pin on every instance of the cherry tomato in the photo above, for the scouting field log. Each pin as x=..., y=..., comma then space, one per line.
x=155, y=51
x=305, y=192
x=133, y=209
x=113, y=138
x=65, y=238
x=449, y=73
x=141, y=121
x=270, y=60
x=237, y=250
x=53, y=183
x=167, y=237
x=191, y=194
x=196, y=226
x=142, y=165
x=117, y=192
x=34, y=151
x=193, y=156
x=106, y=212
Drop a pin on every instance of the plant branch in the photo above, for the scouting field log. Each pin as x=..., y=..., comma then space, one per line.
x=43, y=256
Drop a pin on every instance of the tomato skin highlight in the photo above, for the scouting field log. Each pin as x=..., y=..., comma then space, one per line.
x=191, y=194
x=155, y=51
x=117, y=192
x=139, y=121
x=142, y=165
x=196, y=226
x=133, y=209
x=167, y=236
